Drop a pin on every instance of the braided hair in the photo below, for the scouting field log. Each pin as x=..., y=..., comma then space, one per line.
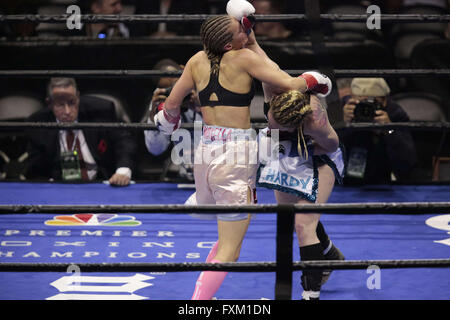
x=289, y=109
x=215, y=34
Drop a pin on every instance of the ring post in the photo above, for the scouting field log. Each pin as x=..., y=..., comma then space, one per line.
x=284, y=267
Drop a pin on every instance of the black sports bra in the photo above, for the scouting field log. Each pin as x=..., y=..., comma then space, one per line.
x=223, y=97
x=266, y=109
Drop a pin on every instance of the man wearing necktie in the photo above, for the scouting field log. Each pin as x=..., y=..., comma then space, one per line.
x=79, y=155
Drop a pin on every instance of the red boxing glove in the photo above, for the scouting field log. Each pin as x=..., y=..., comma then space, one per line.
x=242, y=11
x=317, y=83
x=165, y=122
x=248, y=23
x=161, y=106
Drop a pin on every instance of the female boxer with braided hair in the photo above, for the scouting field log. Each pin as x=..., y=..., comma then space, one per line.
x=222, y=73
x=298, y=174
x=310, y=161
x=291, y=108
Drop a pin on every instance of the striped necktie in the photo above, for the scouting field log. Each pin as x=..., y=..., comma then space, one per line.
x=70, y=141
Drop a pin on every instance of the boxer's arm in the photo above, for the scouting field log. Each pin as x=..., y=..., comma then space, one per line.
x=184, y=86
x=252, y=44
x=168, y=117
x=318, y=127
x=263, y=69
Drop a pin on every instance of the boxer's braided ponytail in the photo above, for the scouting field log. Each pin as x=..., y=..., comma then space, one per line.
x=215, y=33
x=289, y=110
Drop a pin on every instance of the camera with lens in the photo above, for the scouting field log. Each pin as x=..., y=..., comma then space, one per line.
x=365, y=110
x=184, y=104
x=167, y=91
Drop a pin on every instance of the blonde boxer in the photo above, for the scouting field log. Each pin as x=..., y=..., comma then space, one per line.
x=222, y=74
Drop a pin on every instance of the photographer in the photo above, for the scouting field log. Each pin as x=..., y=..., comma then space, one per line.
x=376, y=156
x=157, y=142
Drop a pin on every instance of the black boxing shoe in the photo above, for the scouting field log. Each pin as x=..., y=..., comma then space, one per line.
x=310, y=281
x=333, y=254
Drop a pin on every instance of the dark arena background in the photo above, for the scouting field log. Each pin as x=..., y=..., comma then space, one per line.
x=70, y=240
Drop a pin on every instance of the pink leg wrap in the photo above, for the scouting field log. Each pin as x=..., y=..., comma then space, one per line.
x=213, y=252
x=208, y=283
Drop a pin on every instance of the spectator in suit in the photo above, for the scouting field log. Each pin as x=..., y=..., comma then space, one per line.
x=79, y=154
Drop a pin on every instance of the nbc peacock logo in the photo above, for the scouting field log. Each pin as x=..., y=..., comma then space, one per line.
x=90, y=219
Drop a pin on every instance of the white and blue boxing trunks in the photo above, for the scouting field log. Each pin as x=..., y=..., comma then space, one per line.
x=290, y=173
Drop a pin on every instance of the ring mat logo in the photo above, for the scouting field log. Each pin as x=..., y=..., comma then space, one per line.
x=89, y=219
x=77, y=287
x=441, y=222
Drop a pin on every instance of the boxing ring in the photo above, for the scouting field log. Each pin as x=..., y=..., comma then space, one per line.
x=54, y=241
x=90, y=241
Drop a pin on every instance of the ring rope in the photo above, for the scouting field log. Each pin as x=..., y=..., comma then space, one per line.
x=138, y=18
x=342, y=73
x=423, y=126
x=58, y=41
x=406, y=208
x=426, y=126
x=228, y=266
